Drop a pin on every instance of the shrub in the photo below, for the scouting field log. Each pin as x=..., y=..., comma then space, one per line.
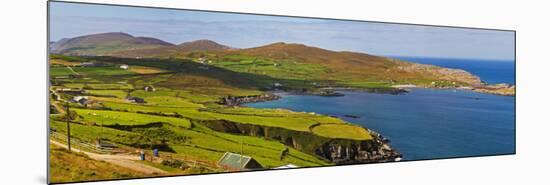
x=174, y=163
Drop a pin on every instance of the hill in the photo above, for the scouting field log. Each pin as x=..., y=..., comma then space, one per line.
x=353, y=65
x=104, y=44
x=282, y=61
x=202, y=45
x=172, y=51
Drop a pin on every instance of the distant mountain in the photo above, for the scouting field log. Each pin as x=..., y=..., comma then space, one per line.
x=104, y=44
x=202, y=45
x=186, y=47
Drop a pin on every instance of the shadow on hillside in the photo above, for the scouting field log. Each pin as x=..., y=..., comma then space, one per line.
x=232, y=78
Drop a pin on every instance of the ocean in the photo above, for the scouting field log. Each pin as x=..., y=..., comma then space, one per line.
x=427, y=123
x=490, y=71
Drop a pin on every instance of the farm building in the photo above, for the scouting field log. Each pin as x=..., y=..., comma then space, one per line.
x=135, y=99
x=71, y=91
x=124, y=66
x=88, y=103
x=83, y=100
x=80, y=99
x=202, y=60
x=286, y=166
x=150, y=88
x=104, y=144
x=237, y=162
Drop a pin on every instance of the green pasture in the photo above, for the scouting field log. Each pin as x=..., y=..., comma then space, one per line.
x=342, y=131
x=102, y=71
x=115, y=93
x=104, y=117
x=60, y=71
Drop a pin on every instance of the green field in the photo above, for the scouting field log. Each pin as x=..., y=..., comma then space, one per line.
x=280, y=69
x=101, y=71
x=183, y=118
x=61, y=71
x=336, y=131
x=115, y=93
x=103, y=117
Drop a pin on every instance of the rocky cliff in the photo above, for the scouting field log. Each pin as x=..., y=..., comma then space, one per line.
x=337, y=151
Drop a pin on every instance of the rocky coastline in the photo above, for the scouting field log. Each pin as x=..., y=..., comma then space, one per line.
x=376, y=151
x=502, y=89
x=337, y=151
x=498, y=89
x=333, y=91
x=324, y=92
x=239, y=100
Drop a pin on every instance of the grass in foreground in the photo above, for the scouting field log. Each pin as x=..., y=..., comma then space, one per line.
x=68, y=166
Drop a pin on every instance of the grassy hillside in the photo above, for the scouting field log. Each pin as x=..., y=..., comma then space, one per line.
x=300, y=65
x=68, y=166
x=356, y=68
x=104, y=44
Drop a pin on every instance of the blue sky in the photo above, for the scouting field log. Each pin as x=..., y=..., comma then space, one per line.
x=242, y=31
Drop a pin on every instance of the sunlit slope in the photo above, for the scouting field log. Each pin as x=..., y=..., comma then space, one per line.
x=104, y=44
x=360, y=67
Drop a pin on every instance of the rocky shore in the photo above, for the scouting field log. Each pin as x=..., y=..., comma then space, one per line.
x=238, y=100
x=325, y=92
x=333, y=90
x=375, y=151
x=498, y=89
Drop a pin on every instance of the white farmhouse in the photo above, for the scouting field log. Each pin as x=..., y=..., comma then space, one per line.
x=124, y=66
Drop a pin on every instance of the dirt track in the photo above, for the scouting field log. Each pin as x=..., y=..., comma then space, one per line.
x=123, y=160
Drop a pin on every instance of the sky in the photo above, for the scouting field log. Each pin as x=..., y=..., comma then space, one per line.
x=69, y=20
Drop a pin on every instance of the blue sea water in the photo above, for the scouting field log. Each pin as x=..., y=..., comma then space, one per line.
x=425, y=123
x=490, y=71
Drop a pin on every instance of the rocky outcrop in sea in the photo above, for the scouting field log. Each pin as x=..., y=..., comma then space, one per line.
x=498, y=89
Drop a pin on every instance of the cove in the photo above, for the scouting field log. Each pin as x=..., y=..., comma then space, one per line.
x=424, y=123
